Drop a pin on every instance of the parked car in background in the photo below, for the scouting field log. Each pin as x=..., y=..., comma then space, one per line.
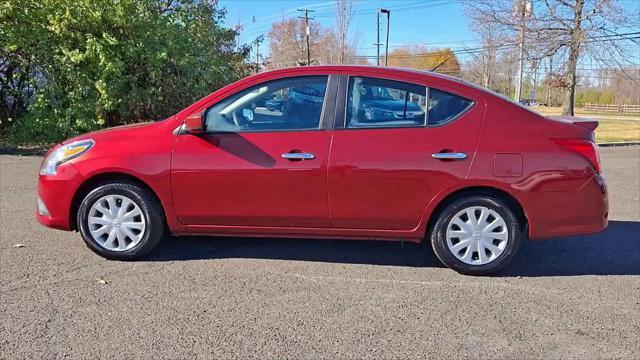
x=529, y=102
x=377, y=104
x=355, y=152
x=275, y=104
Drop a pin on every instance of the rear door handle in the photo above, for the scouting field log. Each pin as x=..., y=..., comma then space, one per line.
x=449, y=156
x=298, y=156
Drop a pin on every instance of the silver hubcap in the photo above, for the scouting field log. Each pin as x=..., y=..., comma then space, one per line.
x=477, y=235
x=116, y=222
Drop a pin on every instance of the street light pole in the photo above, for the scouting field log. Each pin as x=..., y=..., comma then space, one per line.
x=378, y=40
x=386, y=45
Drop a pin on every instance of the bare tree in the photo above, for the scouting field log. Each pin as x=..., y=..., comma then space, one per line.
x=568, y=28
x=491, y=38
x=344, y=14
x=508, y=70
x=624, y=84
x=287, y=44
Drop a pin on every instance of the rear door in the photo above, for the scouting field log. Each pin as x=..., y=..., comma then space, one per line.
x=396, y=145
x=263, y=158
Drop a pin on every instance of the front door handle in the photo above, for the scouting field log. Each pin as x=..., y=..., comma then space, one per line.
x=293, y=156
x=449, y=156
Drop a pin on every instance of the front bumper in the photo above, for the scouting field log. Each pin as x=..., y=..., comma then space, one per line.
x=55, y=197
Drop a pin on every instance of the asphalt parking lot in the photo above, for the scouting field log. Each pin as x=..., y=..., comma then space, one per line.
x=198, y=297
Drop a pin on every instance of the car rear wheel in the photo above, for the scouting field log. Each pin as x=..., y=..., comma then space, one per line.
x=476, y=235
x=121, y=221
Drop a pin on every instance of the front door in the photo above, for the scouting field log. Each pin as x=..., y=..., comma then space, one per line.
x=261, y=162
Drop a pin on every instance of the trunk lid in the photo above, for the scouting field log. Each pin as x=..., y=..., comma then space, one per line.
x=590, y=124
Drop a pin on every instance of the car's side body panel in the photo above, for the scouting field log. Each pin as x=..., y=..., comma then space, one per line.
x=370, y=183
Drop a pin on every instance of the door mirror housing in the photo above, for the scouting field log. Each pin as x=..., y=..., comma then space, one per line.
x=194, y=123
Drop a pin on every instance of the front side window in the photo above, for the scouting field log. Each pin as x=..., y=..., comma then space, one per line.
x=384, y=103
x=285, y=104
x=444, y=106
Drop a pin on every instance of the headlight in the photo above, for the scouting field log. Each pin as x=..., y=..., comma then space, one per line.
x=64, y=153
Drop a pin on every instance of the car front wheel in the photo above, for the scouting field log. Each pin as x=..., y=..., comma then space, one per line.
x=476, y=235
x=121, y=221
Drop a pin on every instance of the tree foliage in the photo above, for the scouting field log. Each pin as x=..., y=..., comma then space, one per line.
x=287, y=45
x=69, y=66
x=442, y=60
x=345, y=10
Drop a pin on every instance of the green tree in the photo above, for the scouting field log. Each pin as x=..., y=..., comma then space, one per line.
x=79, y=65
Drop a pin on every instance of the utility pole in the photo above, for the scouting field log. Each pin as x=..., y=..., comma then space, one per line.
x=534, y=91
x=386, y=45
x=306, y=21
x=258, y=56
x=257, y=42
x=523, y=10
x=549, y=80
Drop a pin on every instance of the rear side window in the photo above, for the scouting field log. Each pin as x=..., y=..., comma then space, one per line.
x=374, y=103
x=444, y=106
x=385, y=103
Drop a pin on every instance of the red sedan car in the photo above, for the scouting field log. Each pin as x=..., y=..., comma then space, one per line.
x=346, y=152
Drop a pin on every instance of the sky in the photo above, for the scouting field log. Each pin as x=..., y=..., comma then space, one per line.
x=412, y=21
x=431, y=23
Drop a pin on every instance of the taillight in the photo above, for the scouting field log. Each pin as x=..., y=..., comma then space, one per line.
x=587, y=148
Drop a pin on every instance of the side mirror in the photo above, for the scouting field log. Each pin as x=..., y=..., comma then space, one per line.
x=194, y=123
x=247, y=114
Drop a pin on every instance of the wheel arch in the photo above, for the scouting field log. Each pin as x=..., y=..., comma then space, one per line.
x=509, y=199
x=100, y=179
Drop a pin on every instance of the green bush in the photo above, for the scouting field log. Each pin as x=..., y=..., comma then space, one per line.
x=71, y=66
x=593, y=96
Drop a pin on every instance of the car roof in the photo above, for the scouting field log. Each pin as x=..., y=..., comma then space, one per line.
x=376, y=70
x=347, y=68
x=363, y=70
x=391, y=70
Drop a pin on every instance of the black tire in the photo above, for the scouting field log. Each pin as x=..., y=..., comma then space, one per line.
x=151, y=210
x=513, y=228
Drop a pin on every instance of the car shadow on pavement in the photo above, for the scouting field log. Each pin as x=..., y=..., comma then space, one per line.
x=616, y=251
x=317, y=250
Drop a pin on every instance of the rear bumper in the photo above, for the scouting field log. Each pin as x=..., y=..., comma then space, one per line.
x=582, y=211
x=55, y=195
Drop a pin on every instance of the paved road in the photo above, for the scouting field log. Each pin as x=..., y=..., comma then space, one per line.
x=260, y=298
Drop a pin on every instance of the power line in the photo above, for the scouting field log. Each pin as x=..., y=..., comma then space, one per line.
x=368, y=11
x=508, y=45
x=403, y=7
